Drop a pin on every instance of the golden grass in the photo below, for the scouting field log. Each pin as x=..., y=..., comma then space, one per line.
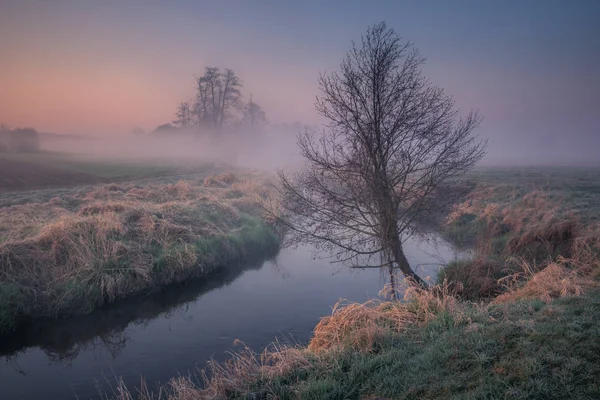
x=554, y=280
x=88, y=247
x=521, y=237
x=222, y=380
x=365, y=326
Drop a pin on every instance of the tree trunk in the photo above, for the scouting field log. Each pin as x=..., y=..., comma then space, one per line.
x=392, y=283
x=405, y=267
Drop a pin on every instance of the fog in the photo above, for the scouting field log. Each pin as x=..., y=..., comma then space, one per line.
x=89, y=70
x=268, y=150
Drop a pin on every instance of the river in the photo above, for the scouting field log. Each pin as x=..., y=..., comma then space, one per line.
x=175, y=331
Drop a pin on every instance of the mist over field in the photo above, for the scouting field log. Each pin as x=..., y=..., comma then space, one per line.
x=299, y=199
x=530, y=69
x=268, y=151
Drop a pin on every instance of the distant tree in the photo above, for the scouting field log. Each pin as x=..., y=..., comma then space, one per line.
x=391, y=140
x=229, y=96
x=254, y=116
x=183, y=115
x=205, y=106
x=21, y=140
x=218, y=94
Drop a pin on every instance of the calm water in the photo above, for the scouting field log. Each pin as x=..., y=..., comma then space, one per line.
x=170, y=333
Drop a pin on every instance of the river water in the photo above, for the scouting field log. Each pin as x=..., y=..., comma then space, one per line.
x=173, y=332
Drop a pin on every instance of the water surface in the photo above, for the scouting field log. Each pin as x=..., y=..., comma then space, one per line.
x=175, y=331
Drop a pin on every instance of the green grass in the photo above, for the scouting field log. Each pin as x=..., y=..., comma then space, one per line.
x=524, y=350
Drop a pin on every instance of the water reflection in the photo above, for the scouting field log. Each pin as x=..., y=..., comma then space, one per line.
x=62, y=340
x=175, y=331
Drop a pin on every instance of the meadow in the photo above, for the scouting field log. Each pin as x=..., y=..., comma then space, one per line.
x=73, y=246
x=517, y=320
x=520, y=219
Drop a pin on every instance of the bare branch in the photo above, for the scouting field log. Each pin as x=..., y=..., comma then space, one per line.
x=392, y=140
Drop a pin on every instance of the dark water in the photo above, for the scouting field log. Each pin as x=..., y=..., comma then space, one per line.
x=176, y=331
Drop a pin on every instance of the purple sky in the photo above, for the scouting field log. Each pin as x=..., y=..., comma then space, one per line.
x=530, y=67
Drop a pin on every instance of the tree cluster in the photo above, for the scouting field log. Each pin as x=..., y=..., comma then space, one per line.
x=218, y=103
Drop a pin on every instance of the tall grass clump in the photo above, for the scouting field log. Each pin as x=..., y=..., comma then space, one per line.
x=509, y=231
x=111, y=241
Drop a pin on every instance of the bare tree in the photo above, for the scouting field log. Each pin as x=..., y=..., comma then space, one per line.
x=391, y=140
x=206, y=98
x=229, y=95
x=183, y=115
x=218, y=93
x=254, y=116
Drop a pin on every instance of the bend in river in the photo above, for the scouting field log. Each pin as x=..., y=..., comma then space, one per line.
x=177, y=330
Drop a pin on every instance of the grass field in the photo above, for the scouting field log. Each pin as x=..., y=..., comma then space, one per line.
x=27, y=171
x=69, y=250
x=519, y=320
x=573, y=189
x=523, y=216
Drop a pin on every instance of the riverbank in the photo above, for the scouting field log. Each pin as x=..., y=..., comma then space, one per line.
x=84, y=248
x=519, y=222
x=431, y=347
x=519, y=320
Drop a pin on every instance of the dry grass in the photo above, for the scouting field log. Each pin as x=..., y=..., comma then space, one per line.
x=222, y=180
x=235, y=377
x=530, y=226
x=365, y=327
x=85, y=248
x=351, y=327
x=556, y=279
x=245, y=368
x=512, y=231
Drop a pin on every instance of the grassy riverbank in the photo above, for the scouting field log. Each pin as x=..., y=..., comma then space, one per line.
x=433, y=346
x=519, y=320
x=69, y=251
x=520, y=221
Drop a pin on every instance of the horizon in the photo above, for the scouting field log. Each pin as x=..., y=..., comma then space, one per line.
x=102, y=69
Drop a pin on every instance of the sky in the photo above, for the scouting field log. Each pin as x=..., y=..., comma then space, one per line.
x=530, y=67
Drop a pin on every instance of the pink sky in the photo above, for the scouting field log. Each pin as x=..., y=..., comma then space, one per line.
x=90, y=67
